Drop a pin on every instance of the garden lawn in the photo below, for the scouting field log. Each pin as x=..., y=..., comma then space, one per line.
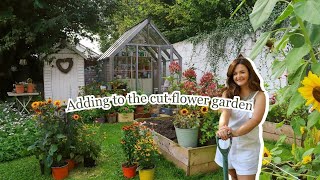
x=109, y=164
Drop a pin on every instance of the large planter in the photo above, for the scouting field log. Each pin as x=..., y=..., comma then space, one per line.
x=59, y=173
x=146, y=174
x=271, y=132
x=187, y=137
x=129, y=172
x=142, y=115
x=125, y=117
x=192, y=160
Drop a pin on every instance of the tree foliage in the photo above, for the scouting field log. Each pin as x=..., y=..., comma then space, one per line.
x=176, y=19
x=34, y=26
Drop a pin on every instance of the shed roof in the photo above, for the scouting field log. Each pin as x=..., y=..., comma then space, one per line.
x=144, y=33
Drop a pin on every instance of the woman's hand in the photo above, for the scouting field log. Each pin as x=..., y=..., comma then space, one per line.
x=224, y=132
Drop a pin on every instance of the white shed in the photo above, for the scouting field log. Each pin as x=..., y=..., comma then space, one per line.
x=64, y=75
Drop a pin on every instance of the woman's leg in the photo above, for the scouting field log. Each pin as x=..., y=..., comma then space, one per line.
x=246, y=177
x=233, y=174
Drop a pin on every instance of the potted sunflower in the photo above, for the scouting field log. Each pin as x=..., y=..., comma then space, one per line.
x=186, y=124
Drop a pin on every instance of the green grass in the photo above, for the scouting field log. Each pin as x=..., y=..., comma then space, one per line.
x=109, y=164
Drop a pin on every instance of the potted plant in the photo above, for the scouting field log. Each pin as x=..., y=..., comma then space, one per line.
x=208, y=126
x=88, y=145
x=128, y=142
x=125, y=113
x=53, y=140
x=99, y=115
x=19, y=87
x=111, y=115
x=30, y=86
x=186, y=124
x=147, y=154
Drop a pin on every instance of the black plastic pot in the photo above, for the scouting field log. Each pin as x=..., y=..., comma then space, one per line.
x=89, y=162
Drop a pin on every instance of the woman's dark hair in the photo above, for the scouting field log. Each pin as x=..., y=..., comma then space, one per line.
x=232, y=88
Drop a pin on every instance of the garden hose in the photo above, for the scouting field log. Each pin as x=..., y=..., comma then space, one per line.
x=224, y=153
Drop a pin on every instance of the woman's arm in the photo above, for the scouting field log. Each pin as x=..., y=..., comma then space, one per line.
x=258, y=112
x=224, y=121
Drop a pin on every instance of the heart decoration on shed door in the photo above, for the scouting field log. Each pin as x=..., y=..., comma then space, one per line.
x=70, y=64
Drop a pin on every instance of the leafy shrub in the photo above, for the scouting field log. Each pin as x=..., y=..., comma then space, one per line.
x=17, y=132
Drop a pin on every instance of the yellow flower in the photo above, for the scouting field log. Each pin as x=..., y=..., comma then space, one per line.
x=184, y=112
x=302, y=130
x=306, y=159
x=35, y=105
x=266, y=159
x=311, y=90
x=204, y=109
x=57, y=103
x=148, y=154
x=49, y=101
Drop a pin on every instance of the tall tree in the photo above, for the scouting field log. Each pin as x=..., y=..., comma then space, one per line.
x=31, y=27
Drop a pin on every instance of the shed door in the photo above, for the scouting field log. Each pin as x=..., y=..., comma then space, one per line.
x=65, y=85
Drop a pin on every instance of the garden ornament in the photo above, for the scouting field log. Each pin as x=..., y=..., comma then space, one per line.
x=225, y=153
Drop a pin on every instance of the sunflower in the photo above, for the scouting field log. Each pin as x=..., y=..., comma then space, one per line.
x=184, y=112
x=49, y=101
x=311, y=90
x=57, y=103
x=204, y=109
x=35, y=105
x=266, y=156
x=75, y=116
x=306, y=159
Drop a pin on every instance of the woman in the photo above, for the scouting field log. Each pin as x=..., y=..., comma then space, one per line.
x=244, y=159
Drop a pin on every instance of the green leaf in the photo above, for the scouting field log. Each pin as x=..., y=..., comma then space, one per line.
x=315, y=68
x=53, y=149
x=308, y=11
x=261, y=42
x=296, y=123
x=277, y=160
x=313, y=118
x=280, y=140
x=294, y=57
x=297, y=40
x=317, y=150
x=278, y=67
x=280, y=124
x=308, y=152
x=282, y=43
x=313, y=31
x=286, y=13
x=59, y=157
x=297, y=75
x=60, y=136
x=261, y=12
x=295, y=101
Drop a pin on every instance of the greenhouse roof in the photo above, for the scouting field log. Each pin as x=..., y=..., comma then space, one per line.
x=144, y=34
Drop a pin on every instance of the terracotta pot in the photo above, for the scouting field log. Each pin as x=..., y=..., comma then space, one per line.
x=30, y=88
x=129, y=172
x=71, y=164
x=59, y=173
x=19, y=88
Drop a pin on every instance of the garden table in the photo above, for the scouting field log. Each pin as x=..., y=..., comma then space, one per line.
x=24, y=100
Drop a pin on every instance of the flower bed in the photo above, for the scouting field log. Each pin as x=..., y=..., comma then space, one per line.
x=191, y=160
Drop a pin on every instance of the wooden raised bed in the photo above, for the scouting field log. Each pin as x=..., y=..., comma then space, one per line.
x=271, y=132
x=192, y=160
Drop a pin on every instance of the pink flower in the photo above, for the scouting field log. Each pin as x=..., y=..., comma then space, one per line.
x=174, y=67
x=190, y=74
x=206, y=79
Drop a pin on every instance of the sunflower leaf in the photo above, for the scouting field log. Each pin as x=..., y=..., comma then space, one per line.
x=261, y=11
x=294, y=57
x=300, y=8
x=295, y=101
x=313, y=119
x=315, y=68
x=258, y=46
